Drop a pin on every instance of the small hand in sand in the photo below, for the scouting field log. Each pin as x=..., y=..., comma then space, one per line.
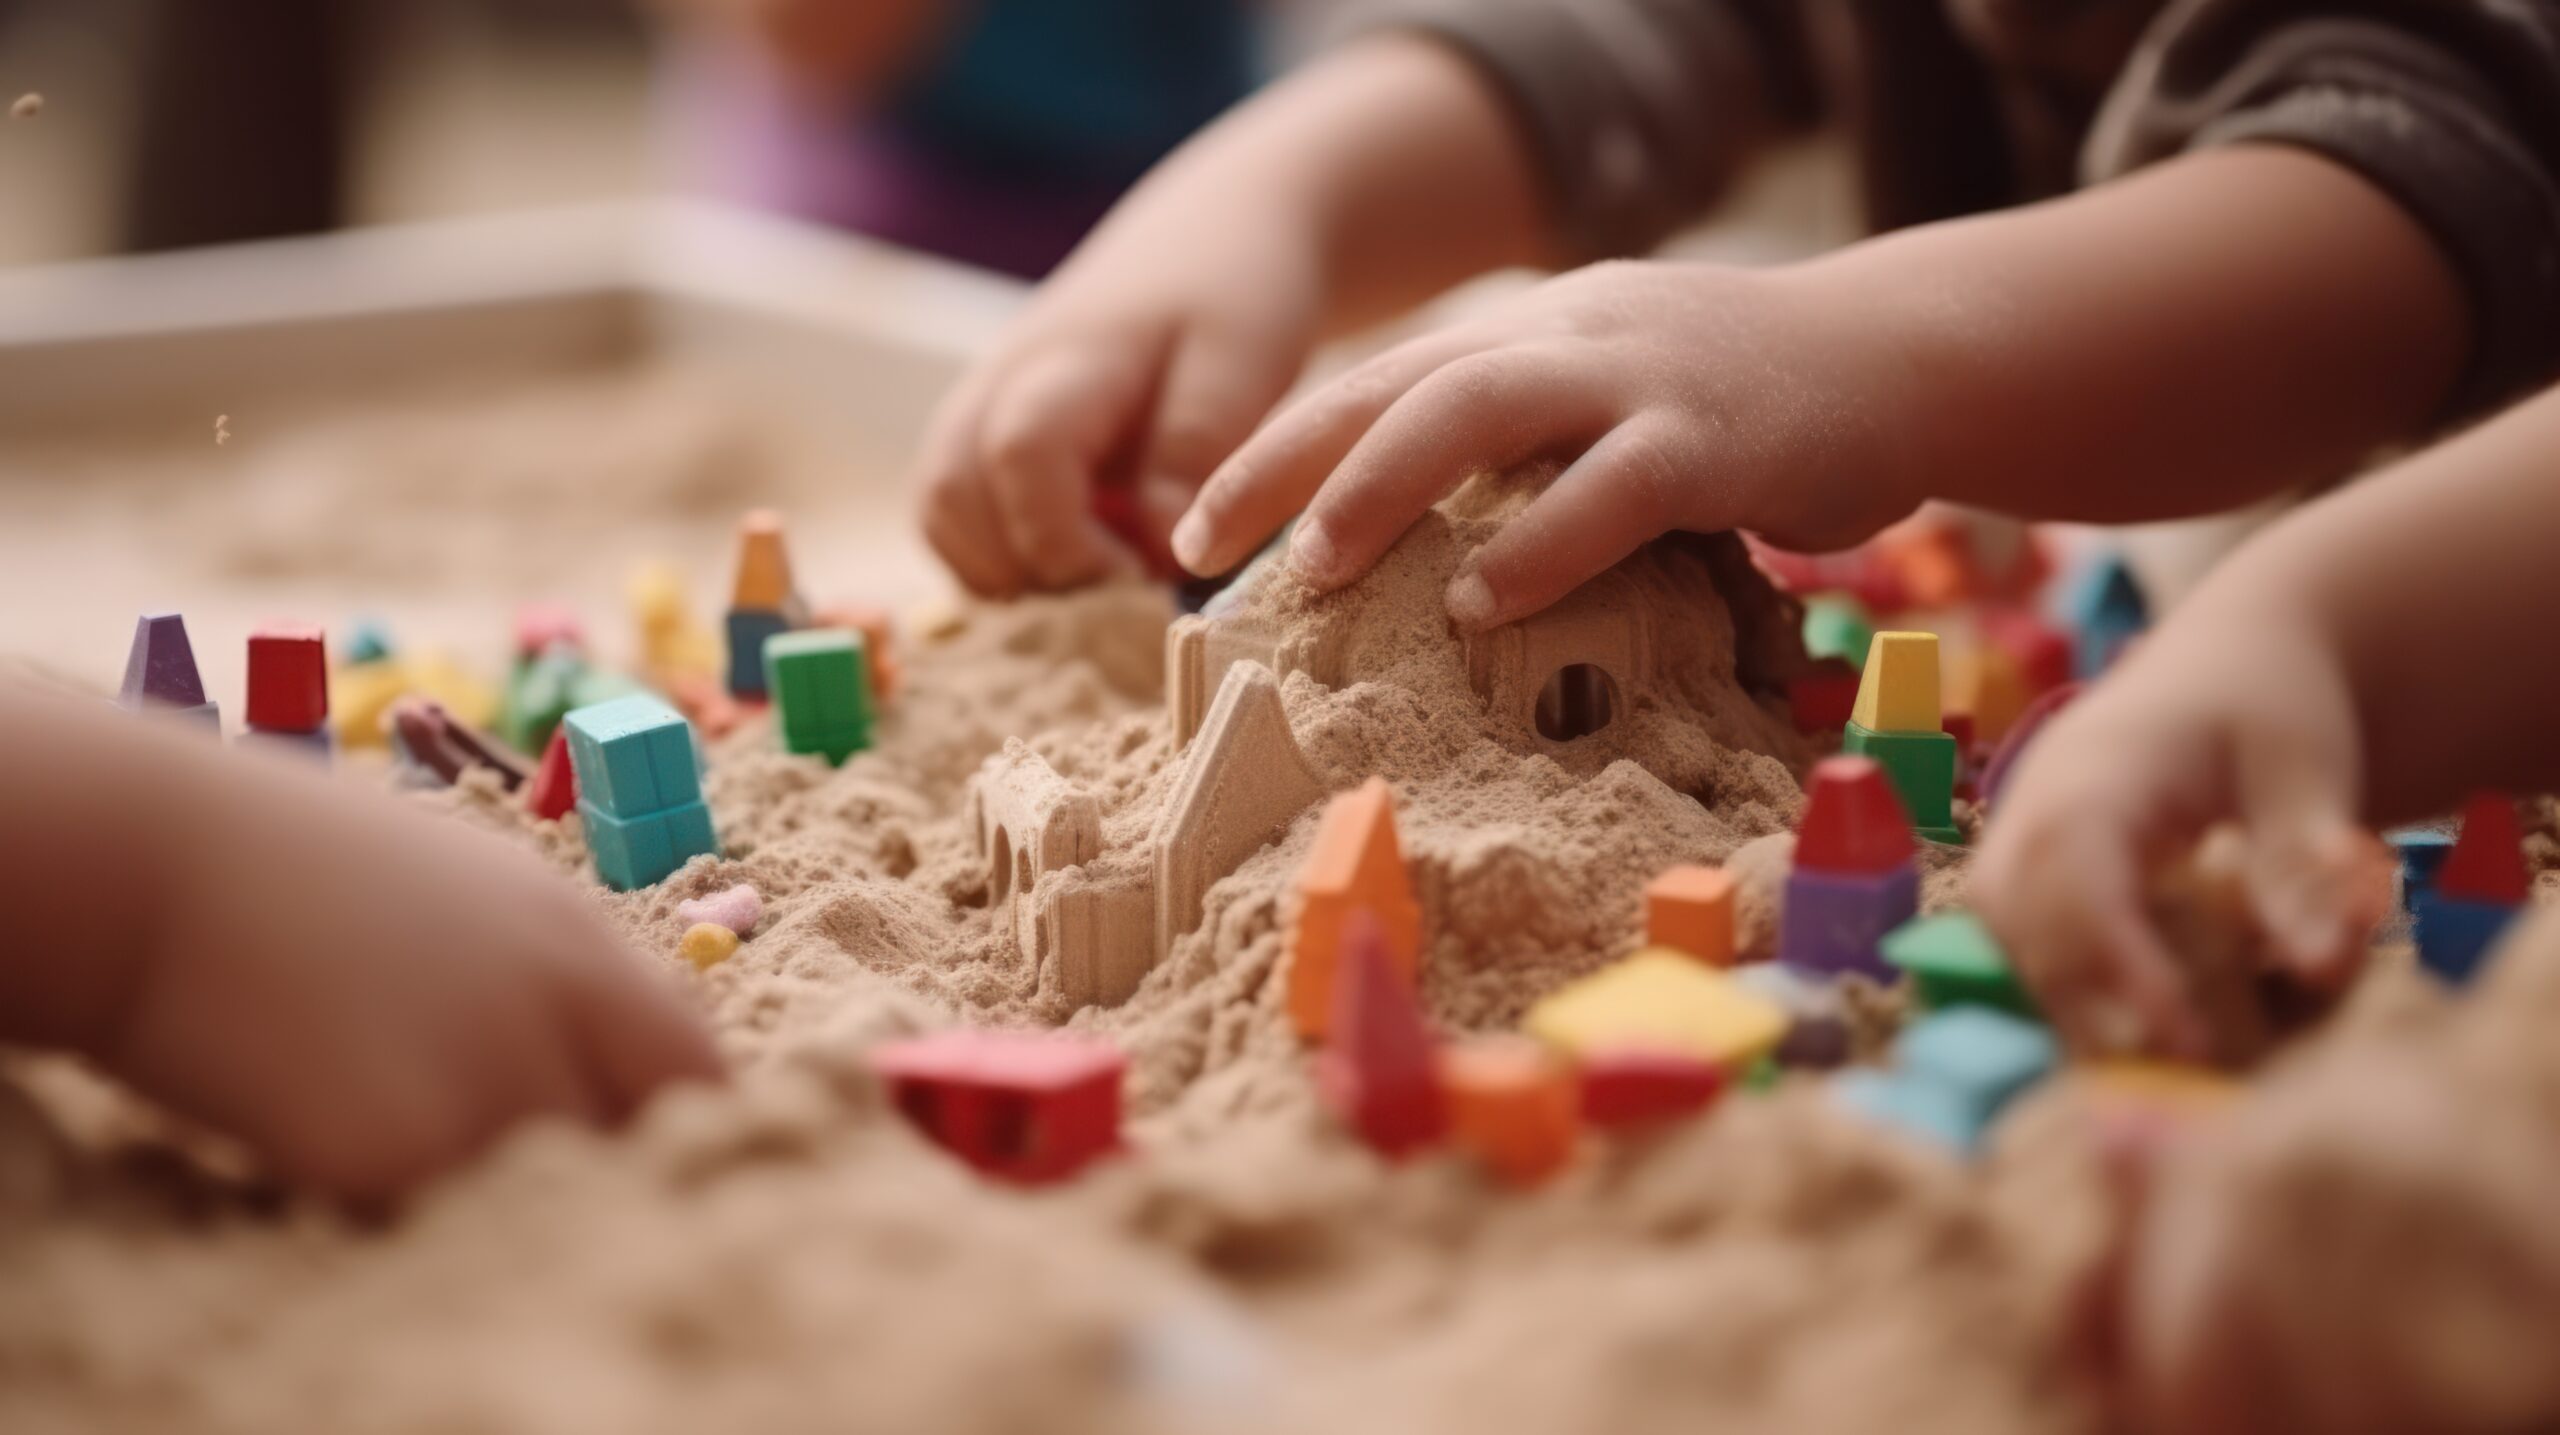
x=1687, y=397
x=363, y=994
x=2201, y=726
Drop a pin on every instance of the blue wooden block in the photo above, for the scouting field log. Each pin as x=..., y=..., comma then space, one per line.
x=1982, y=1055
x=367, y=642
x=2455, y=936
x=640, y=851
x=748, y=629
x=1911, y=1105
x=633, y=756
x=319, y=744
x=2105, y=609
x=1834, y=921
x=2422, y=852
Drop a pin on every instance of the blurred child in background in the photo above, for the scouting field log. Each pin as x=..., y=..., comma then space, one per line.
x=992, y=131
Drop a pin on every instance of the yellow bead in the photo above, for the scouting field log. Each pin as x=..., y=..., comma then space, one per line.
x=1899, y=690
x=707, y=945
x=1660, y=1000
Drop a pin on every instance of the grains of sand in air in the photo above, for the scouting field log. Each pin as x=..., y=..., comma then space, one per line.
x=27, y=107
x=221, y=428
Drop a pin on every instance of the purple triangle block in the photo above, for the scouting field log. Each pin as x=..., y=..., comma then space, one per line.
x=160, y=671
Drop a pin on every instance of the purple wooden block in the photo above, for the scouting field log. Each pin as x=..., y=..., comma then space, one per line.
x=1834, y=920
x=161, y=667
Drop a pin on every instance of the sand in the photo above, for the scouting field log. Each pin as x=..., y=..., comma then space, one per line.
x=785, y=1254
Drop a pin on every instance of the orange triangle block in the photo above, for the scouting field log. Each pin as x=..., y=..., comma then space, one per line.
x=764, y=570
x=1357, y=865
x=1853, y=822
x=2487, y=860
x=1378, y=1072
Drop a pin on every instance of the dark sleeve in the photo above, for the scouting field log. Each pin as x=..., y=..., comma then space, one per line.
x=2450, y=106
x=1640, y=112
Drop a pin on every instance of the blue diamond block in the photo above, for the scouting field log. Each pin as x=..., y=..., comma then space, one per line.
x=748, y=629
x=1984, y=1057
x=1916, y=1108
x=318, y=744
x=2422, y=852
x=1834, y=921
x=633, y=756
x=2455, y=936
x=640, y=851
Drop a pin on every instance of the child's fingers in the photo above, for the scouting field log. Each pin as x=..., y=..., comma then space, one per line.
x=635, y=1036
x=1220, y=383
x=1620, y=493
x=2296, y=799
x=958, y=513
x=1261, y=485
x=1046, y=431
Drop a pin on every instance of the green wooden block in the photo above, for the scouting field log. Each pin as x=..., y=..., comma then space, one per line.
x=1922, y=766
x=633, y=756
x=1835, y=628
x=820, y=680
x=1953, y=960
x=540, y=691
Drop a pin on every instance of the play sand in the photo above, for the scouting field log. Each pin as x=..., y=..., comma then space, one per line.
x=786, y=1254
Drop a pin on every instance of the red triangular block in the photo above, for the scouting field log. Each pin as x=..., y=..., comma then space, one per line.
x=2487, y=860
x=1853, y=821
x=1377, y=1070
x=554, y=789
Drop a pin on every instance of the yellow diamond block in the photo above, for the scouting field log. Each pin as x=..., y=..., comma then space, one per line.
x=1899, y=690
x=1660, y=1000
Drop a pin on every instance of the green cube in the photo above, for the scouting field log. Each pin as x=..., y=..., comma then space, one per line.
x=1922, y=766
x=820, y=681
x=1834, y=628
x=1954, y=961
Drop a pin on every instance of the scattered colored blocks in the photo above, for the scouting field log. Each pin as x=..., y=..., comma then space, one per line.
x=1660, y=1000
x=1818, y=1032
x=1357, y=865
x=1631, y=1085
x=707, y=945
x=821, y=690
x=1953, y=960
x=1835, y=923
x=639, y=790
x=160, y=672
x=1377, y=1071
x=288, y=680
x=1025, y=1107
x=763, y=605
x=1690, y=909
x=1511, y=1105
x=1898, y=692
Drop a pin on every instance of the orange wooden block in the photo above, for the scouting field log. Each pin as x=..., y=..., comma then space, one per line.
x=1691, y=909
x=1356, y=864
x=1511, y=1105
x=764, y=570
x=705, y=704
x=873, y=625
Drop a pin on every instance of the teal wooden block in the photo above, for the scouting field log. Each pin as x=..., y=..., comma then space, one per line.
x=633, y=852
x=1922, y=766
x=1953, y=961
x=633, y=756
x=1984, y=1056
x=1913, y=1106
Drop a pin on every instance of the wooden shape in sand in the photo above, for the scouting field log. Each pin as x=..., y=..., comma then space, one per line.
x=1357, y=866
x=1377, y=1071
x=1511, y=1105
x=1201, y=651
x=764, y=569
x=1660, y=1000
x=1564, y=673
x=1899, y=690
x=1690, y=909
x=1241, y=786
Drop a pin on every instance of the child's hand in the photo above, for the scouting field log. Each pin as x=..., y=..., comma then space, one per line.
x=1688, y=397
x=1145, y=361
x=2206, y=723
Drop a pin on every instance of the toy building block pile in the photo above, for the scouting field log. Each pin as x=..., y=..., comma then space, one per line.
x=374, y=674
x=1856, y=875
x=2477, y=889
x=160, y=674
x=1898, y=722
x=639, y=790
x=1030, y=1108
x=289, y=689
x=763, y=605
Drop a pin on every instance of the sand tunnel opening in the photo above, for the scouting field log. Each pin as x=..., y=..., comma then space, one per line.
x=1578, y=700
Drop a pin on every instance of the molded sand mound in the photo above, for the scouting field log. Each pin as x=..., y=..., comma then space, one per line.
x=785, y=1254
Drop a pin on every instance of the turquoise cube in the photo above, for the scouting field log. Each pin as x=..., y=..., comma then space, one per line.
x=1915, y=1107
x=633, y=756
x=1981, y=1055
x=640, y=851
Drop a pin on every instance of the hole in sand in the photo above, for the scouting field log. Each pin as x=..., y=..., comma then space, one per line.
x=1023, y=876
x=1000, y=879
x=1577, y=702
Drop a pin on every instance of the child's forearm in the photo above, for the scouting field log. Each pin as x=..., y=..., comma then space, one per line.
x=1397, y=152
x=2212, y=330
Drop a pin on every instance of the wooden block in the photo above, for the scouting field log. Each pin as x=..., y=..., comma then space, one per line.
x=641, y=851
x=879, y=652
x=1985, y=682
x=1922, y=766
x=1918, y=1108
x=1834, y=628
x=2421, y=852
x=1853, y=821
x=2455, y=935
x=2040, y=651
x=2107, y=611
x=288, y=679
x=749, y=630
x=160, y=672
x=673, y=647
x=1835, y=923
x=1631, y=1086
x=1953, y=960
x=368, y=642
x=1511, y=1106
x=360, y=697
x=1987, y=1058
x=633, y=756
x=821, y=691
x=764, y=569
x=1356, y=866
x=1030, y=1108
x=554, y=789
x=432, y=740
x=1376, y=1071
x=1664, y=1001
x=2487, y=860
x=1690, y=909
x=1821, y=699
x=1899, y=690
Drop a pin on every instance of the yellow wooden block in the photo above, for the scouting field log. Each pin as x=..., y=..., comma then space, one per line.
x=1986, y=682
x=1899, y=690
x=2165, y=1087
x=463, y=694
x=672, y=644
x=1660, y=1000
x=359, y=694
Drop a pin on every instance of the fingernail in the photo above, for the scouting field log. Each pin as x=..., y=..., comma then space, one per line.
x=1470, y=601
x=1191, y=540
x=1312, y=553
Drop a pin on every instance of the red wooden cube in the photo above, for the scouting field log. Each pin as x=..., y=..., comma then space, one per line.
x=288, y=679
x=1026, y=1107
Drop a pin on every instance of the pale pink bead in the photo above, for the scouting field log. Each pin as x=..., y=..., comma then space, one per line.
x=736, y=909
